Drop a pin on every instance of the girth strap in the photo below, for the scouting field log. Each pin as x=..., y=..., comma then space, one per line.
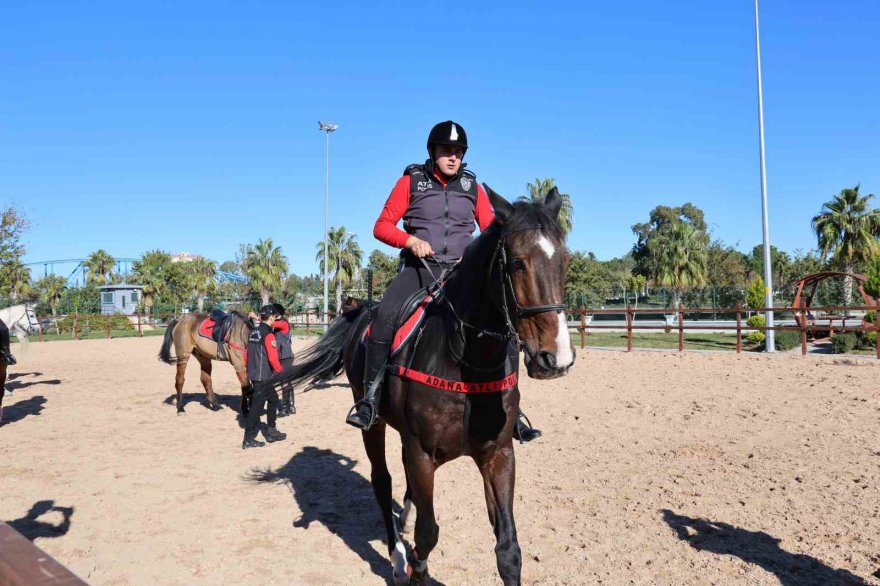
x=453, y=386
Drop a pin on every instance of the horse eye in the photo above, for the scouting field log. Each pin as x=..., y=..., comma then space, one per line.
x=517, y=265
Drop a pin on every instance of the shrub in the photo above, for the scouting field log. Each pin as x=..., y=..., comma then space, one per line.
x=756, y=321
x=843, y=343
x=867, y=340
x=871, y=316
x=787, y=340
x=756, y=338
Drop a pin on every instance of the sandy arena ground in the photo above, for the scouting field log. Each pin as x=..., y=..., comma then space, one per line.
x=655, y=468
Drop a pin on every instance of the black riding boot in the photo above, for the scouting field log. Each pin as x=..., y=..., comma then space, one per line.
x=366, y=411
x=5, y=352
x=523, y=430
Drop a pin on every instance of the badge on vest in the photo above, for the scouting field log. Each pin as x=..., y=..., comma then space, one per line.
x=465, y=183
x=424, y=185
x=274, y=345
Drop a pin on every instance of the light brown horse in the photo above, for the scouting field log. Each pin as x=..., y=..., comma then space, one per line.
x=184, y=334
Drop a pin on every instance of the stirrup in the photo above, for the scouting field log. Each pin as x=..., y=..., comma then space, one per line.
x=374, y=415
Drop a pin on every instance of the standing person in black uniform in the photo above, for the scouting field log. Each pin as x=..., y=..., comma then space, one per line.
x=262, y=365
x=5, y=351
x=284, y=337
x=439, y=203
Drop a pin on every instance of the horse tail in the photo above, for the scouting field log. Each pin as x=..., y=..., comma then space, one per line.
x=165, y=352
x=324, y=360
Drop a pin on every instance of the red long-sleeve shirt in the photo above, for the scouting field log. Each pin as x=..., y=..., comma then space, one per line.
x=386, y=230
x=272, y=352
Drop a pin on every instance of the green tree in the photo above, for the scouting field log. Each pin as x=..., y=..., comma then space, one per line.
x=100, y=266
x=13, y=225
x=384, y=268
x=265, y=266
x=151, y=271
x=636, y=284
x=681, y=260
x=345, y=258
x=588, y=281
x=651, y=236
x=847, y=230
x=872, y=285
x=538, y=192
x=15, y=281
x=780, y=262
x=755, y=293
x=50, y=289
x=198, y=275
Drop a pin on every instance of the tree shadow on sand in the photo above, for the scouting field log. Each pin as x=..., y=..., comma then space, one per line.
x=758, y=548
x=328, y=491
x=32, y=528
x=20, y=410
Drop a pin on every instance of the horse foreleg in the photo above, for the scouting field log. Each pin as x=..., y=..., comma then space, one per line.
x=178, y=383
x=205, y=377
x=380, y=478
x=420, y=470
x=498, y=469
x=408, y=514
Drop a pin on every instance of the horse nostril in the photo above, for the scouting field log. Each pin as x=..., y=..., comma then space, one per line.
x=547, y=359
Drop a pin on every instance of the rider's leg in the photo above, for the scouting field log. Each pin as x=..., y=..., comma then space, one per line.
x=408, y=280
x=5, y=352
x=523, y=430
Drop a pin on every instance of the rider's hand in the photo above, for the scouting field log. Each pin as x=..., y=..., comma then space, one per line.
x=418, y=247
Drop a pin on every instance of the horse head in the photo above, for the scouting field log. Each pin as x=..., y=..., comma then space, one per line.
x=532, y=261
x=22, y=320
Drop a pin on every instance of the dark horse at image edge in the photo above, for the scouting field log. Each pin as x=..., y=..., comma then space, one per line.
x=505, y=295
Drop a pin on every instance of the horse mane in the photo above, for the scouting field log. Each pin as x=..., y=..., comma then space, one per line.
x=243, y=318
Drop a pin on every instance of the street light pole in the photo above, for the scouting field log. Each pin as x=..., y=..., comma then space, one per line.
x=770, y=341
x=326, y=128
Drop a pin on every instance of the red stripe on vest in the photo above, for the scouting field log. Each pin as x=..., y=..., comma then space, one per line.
x=453, y=386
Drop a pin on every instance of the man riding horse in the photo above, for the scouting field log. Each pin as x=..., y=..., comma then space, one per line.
x=439, y=201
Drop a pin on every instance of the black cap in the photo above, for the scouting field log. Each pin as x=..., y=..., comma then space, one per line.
x=447, y=133
x=267, y=310
x=279, y=309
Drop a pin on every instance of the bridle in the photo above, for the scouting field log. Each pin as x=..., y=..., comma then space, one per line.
x=30, y=327
x=508, y=295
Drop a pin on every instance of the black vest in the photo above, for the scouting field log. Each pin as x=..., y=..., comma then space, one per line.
x=258, y=367
x=285, y=343
x=441, y=216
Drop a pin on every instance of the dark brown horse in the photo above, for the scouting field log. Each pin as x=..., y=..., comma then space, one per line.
x=505, y=295
x=183, y=333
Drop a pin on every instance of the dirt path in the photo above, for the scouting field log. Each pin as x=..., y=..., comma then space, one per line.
x=655, y=468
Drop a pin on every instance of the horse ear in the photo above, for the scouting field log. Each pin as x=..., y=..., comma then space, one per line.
x=502, y=207
x=554, y=202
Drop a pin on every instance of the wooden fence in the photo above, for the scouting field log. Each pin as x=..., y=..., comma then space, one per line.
x=805, y=323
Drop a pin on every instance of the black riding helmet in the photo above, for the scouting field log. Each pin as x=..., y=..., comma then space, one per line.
x=447, y=133
x=279, y=309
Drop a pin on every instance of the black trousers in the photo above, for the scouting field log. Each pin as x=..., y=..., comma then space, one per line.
x=264, y=392
x=411, y=277
x=4, y=339
x=287, y=388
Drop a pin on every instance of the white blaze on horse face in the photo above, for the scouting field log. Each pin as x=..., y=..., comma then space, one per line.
x=546, y=246
x=564, y=357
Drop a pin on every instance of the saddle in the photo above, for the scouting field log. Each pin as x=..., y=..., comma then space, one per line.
x=410, y=316
x=217, y=328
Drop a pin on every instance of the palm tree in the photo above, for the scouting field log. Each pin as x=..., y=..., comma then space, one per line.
x=100, y=267
x=847, y=230
x=682, y=259
x=199, y=275
x=149, y=272
x=539, y=190
x=51, y=287
x=16, y=278
x=266, y=267
x=345, y=258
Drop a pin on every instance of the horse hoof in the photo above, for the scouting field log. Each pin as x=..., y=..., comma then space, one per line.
x=215, y=407
x=180, y=411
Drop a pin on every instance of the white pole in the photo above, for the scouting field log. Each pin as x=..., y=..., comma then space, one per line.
x=770, y=343
x=326, y=216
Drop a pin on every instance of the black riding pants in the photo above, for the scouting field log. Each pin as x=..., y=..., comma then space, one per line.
x=263, y=392
x=411, y=277
x=287, y=388
x=4, y=339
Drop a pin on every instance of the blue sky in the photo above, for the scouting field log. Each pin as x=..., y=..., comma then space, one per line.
x=192, y=126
